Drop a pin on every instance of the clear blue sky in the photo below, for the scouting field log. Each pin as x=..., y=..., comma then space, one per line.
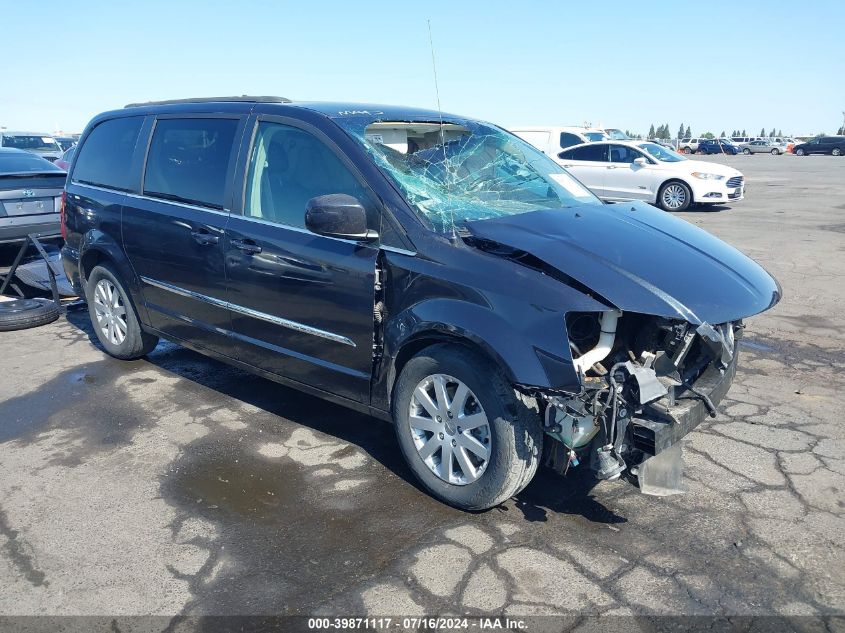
x=716, y=65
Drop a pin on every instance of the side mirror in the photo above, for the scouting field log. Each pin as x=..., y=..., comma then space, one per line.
x=641, y=161
x=338, y=215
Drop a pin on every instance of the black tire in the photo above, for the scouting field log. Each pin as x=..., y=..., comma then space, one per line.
x=20, y=314
x=775, y=151
x=687, y=196
x=136, y=342
x=516, y=435
x=687, y=150
x=836, y=151
x=746, y=151
x=800, y=152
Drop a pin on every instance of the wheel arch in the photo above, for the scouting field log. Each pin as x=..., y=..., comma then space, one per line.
x=98, y=247
x=680, y=180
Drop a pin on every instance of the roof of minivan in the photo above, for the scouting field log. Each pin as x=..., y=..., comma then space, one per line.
x=329, y=109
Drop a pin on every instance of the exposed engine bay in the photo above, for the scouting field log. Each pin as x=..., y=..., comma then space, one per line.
x=646, y=381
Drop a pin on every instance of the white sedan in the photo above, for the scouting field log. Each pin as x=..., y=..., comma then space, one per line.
x=639, y=170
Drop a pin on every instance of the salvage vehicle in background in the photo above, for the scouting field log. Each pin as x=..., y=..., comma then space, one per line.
x=688, y=145
x=66, y=158
x=717, y=146
x=30, y=195
x=834, y=145
x=551, y=140
x=423, y=268
x=637, y=170
x=761, y=147
x=42, y=145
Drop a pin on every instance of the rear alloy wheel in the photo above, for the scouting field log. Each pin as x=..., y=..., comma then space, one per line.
x=113, y=316
x=775, y=151
x=836, y=151
x=799, y=152
x=674, y=196
x=746, y=151
x=687, y=150
x=466, y=434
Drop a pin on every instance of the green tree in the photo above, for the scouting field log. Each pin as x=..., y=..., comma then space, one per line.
x=743, y=133
x=708, y=135
x=651, y=131
x=772, y=133
x=688, y=132
x=666, y=133
x=762, y=131
x=722, y=135
x=681, y=131
x=780, y=133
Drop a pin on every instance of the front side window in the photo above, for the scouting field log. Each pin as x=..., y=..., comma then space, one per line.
x=188, y=160
x=287, y=168
x=464, y=170
x=623, y=154
x=105, y=158
x=661, y=153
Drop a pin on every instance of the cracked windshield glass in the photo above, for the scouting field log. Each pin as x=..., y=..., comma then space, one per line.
x=453, y=173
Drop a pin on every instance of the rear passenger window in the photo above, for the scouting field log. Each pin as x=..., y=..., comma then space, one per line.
x=189, y=160
x=105, y=159
x=589, y=152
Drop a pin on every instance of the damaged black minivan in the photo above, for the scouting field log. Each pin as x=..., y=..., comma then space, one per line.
x=428, y=269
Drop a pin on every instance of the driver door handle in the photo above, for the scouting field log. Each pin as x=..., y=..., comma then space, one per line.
x=247, y=246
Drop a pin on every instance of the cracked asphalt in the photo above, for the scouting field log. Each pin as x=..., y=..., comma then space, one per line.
x=177, y=485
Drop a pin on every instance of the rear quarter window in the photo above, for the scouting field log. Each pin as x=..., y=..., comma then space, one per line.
x=105, y=158
x=189, y=160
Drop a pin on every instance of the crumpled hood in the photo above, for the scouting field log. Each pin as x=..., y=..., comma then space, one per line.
x=641, y=259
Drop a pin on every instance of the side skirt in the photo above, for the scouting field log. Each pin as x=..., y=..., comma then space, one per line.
x=287, y=382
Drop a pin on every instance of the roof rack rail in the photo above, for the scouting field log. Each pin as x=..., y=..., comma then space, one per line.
x=242, y=98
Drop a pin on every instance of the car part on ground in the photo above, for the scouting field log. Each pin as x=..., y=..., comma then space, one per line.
x=20, y=314
x=436, y=262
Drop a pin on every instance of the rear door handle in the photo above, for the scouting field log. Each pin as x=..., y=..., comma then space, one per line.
x=247, y=246
x=201, y=236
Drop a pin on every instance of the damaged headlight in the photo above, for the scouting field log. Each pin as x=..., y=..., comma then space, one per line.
x=706, y=176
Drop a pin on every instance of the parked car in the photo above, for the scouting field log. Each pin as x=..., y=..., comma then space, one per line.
x=30, y=195
x=66, y=158
x=65, y=142
x=636, y=170
x=439, y=273
x=762, y=147
x=551, y=140
x=688, y=145
x=42, y=145
x=739, y=140
x=717, y=146
x=821, y=145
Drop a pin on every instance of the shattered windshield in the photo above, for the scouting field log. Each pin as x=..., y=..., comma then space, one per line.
x=453, y=173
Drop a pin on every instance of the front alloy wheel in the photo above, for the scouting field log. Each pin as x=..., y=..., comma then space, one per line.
x=450, y=429
x=110, y=312
x=675, y=197
x=837, y=151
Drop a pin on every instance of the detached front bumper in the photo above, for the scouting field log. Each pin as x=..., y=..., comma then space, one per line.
x=662, y=424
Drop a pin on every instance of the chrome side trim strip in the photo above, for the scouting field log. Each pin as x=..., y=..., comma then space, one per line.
x=291, y=325
x=184, y=205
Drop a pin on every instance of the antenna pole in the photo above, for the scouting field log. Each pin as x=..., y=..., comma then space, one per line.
x=442, y=135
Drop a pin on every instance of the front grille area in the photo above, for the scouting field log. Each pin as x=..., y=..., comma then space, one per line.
x=734, y=182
